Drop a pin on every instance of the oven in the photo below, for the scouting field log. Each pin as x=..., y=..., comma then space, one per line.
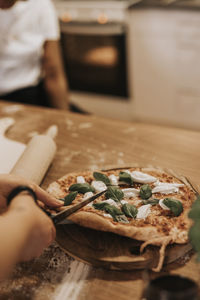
x=94, y=47
x=95, y=58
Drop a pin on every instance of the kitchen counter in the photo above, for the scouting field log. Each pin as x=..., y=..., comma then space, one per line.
x=89, y=142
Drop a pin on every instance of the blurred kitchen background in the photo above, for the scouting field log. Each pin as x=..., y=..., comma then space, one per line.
x=133, y=60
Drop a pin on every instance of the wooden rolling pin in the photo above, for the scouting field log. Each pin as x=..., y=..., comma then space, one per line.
x=37, y=157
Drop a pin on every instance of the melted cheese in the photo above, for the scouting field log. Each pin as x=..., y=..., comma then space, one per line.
x=107, y=215
x=111, y=202
x=99, y=186
x=80, y=179
x=163, y=205
x=124, y=202
x=166, y=188
x=87, y=195
x=113, y=179
x=141, y=177
x=130, y=192
x=143, y=211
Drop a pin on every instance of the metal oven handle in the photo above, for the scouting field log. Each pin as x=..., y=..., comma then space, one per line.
x=92, y=29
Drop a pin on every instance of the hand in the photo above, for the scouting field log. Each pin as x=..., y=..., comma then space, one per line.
x=28, y=229
x=9, y=182
x=40, y=231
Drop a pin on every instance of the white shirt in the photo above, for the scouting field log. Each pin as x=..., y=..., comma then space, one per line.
x=23, y=30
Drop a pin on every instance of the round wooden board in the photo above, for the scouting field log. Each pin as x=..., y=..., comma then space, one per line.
x=112, y=251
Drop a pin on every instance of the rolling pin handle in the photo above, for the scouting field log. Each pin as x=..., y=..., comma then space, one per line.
x=37, y=157
x=52, y=131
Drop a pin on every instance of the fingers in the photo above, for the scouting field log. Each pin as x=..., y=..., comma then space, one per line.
x=47, y=198
x=9, y=182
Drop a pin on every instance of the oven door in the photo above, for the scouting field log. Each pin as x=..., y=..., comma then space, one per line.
x=95, y=57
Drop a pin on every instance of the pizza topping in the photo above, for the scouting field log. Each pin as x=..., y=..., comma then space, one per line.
x=163, y=205
x=143, y=211
x=88, y=195
x=130, y=192
x=124, y=202
x=111, y=202
x=141, y=177
x=102, y=177
x=125, y=177
x=121, y=218
x=114, y=193
x=152, y=201
x=113, y=179
x=107, y=215
x=174, y=205
x=129, y=210
x=137, y=202
x=82, y=188
x=99, y=186
x=100, y=205
x=69, y=198
x=145, y=191
x=166, y=188
x=80, y=179
x=114, y=211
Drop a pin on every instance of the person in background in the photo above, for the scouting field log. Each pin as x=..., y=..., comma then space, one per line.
x=25, y=230
x=31, y=69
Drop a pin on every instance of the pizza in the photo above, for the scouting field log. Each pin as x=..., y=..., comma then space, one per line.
x=143, y=203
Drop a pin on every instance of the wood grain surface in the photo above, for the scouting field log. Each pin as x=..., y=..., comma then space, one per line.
x=112, y=251
x=89, y=142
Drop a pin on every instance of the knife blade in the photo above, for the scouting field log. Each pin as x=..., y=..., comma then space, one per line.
x=61, y=216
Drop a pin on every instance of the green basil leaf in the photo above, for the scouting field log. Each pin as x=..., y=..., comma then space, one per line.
x=81, y=188
x=152, y=201
x=121, y=218
x=114, y=193
x=194, y=213
x=129, y=210
x=102, y=177
x=100, y=205
x=145, y=191
x=69, y=198
x=115, y=212
x=125, y=177
x=174, y=205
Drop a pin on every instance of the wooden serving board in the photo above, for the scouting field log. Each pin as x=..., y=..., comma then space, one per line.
x=112, y=251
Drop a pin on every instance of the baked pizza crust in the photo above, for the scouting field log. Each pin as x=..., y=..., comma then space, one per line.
x=158, y=229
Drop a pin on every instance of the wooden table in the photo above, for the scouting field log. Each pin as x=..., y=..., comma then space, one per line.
x=90, y=142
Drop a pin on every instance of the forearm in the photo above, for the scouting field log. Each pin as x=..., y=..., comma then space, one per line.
x=57, y=90
x=54, y=75
x=25, y=230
